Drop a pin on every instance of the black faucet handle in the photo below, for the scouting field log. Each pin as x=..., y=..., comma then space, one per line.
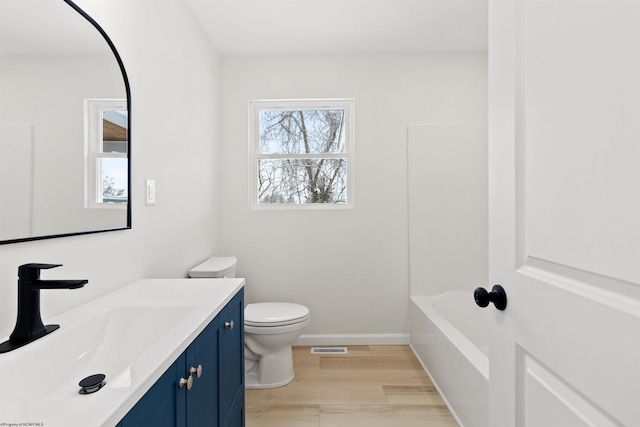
x=32, y=270
x=39, y=266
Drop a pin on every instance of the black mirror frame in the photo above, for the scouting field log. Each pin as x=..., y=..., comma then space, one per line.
x=128, y=92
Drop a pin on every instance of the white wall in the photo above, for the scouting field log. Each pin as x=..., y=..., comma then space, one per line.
x=448, y=197
x=174, y=76
x=350, y=267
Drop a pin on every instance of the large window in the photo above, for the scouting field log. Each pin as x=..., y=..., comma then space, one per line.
x=302, y=153
x=106, y=147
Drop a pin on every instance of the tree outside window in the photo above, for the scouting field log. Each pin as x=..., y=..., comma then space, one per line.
x=302, y=153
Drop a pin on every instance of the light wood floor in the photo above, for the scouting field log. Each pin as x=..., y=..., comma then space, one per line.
x=372, y=386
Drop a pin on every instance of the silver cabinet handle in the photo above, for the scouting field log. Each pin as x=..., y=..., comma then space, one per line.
x=188, y=382
x=197, y=371
x=228, y=325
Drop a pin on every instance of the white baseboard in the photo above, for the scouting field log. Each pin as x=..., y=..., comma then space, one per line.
x=351, y=339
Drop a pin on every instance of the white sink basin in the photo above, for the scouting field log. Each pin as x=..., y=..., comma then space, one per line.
x=107, y=343
x=131, y=336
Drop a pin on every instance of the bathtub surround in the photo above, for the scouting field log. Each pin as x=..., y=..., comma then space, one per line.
x=447, y=179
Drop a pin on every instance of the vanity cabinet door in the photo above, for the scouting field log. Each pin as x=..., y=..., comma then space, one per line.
x=164, y=404
x=216, y=398
x=202, y=399
x=231, y=362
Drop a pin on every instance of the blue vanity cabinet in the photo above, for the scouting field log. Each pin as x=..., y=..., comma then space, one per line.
x=231, y=362
x=202, y=399
x=164, y=404
x=216, y=398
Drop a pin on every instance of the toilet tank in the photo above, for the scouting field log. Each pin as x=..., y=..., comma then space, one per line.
x=215, y=267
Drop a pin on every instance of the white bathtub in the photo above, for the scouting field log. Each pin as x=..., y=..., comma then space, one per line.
x=449, y=335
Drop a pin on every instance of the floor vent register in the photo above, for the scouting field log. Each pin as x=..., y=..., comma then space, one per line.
x=328, y=350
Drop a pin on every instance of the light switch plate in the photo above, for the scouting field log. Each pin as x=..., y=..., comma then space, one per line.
x=151, y=192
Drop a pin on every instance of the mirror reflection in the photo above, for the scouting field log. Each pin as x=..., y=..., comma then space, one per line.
x=64, y=124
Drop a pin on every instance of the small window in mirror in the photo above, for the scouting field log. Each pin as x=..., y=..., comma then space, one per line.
x=106, y=148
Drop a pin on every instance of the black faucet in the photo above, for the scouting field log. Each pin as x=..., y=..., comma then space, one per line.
x=29, y=326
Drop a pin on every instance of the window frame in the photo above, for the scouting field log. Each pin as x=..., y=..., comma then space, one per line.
x=256, y=106
x=94, y=109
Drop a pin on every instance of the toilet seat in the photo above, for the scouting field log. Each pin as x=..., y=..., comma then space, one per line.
x=270, y=314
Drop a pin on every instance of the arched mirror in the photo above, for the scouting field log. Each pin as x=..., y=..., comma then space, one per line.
x=64, y=124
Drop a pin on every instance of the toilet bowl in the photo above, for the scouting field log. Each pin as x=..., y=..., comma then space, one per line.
x=270, y=328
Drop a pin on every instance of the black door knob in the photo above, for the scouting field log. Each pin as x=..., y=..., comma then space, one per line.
x=497, y=296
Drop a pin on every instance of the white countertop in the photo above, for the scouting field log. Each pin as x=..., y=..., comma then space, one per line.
x=131, y=335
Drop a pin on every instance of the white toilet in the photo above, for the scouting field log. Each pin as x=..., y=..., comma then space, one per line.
x=270, y=328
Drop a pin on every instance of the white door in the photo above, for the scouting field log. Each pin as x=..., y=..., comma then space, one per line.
x=564, y=180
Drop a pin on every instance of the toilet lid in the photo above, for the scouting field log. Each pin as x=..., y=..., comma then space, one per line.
x=274, y=314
